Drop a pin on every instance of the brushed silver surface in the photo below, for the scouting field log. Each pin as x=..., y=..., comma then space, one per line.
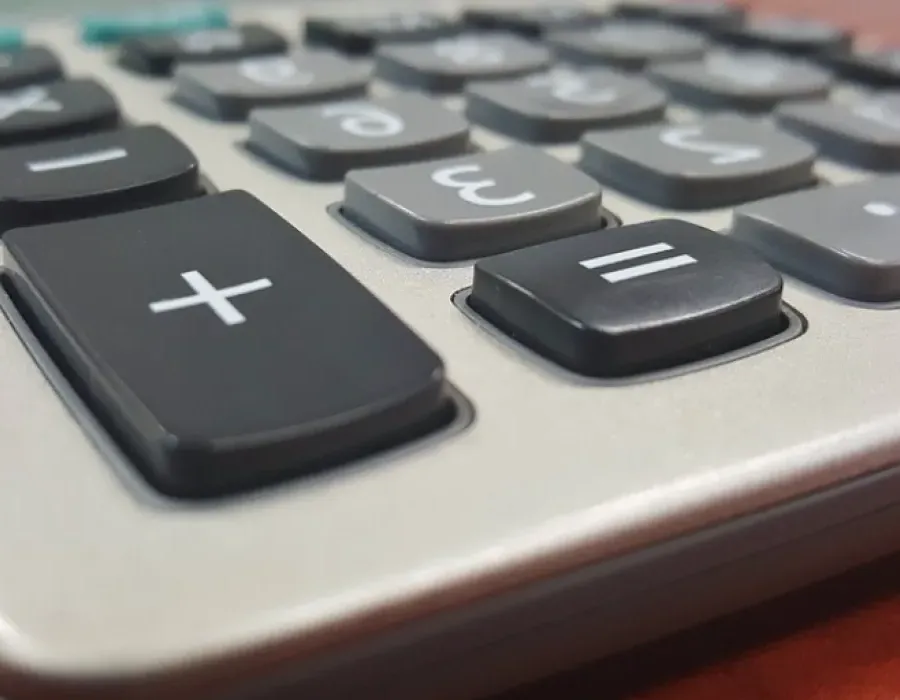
x=102, y=579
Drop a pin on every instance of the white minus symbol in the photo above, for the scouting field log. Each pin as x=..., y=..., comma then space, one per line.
x=42, y=166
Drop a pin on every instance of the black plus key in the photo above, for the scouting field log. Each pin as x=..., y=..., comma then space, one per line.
x=842, y=239
x=533, y=21
x=56, y=110
x=715, y=162
x=158, y=55
x=92, y=175
x=802, y=37
x=633, y=299
x=361, y=35
x=198, y=334
x=29, y=65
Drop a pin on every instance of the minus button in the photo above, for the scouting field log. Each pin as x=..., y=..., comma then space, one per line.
x=78, y=161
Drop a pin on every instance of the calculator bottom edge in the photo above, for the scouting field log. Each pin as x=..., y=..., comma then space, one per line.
x=558, y=624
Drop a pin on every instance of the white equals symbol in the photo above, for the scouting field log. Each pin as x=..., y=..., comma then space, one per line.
x=627, y=273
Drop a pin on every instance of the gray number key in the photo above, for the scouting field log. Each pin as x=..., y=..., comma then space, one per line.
x=447, y=65
x=324, y=142
x=707, y=15
x=797, y=36
x=878, y=67
x=842, y=239
x=628, y=44
x=533, y=21
x=748, y=81
x=866, y=134
x=561, y=104
x=476, y=205
x=358, y=35
x=229, y=91
x=714, y=162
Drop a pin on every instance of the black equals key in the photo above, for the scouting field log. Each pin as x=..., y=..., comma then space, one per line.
x=93, y=175
x=220, y=346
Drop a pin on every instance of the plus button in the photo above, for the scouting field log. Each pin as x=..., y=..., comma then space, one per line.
x=216, y=299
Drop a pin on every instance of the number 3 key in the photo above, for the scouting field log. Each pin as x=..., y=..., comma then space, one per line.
x=471, y=206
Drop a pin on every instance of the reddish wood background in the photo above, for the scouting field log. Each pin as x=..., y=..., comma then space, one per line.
x=839, y=640
x=878, y=19
x=836, y=641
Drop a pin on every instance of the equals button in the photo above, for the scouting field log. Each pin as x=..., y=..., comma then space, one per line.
x=94, y=175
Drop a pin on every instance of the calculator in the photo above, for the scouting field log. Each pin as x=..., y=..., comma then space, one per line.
x=406, y=350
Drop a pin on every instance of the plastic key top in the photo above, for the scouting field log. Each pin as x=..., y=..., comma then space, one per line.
x=196, y=332
x=92, y=175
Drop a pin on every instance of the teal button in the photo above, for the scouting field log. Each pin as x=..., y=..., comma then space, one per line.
x=108, y=29
x=11, y=38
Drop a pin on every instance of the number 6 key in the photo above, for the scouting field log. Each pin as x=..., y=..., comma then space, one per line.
x=323, y=142
x=714, y=162
x=472, y=206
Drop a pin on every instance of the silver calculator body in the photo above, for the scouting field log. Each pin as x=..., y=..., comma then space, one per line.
x=558, y=518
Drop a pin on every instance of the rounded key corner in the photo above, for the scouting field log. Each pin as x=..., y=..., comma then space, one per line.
x=793, y=325
x=282, y=166
x=457, y=416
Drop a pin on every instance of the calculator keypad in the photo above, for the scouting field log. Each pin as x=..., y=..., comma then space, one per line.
x=553, y=268
x=714, y=162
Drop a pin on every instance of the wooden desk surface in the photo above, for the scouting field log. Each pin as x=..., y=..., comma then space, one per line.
x=836, y=641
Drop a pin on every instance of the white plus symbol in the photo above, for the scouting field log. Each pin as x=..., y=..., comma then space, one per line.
x=216, y=299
